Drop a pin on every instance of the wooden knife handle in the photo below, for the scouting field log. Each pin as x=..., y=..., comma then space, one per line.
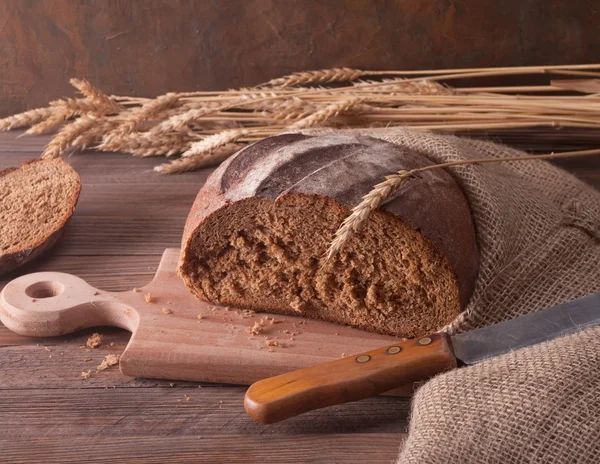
x=349, y=379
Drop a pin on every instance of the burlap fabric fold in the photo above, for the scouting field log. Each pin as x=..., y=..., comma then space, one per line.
x=538, y=230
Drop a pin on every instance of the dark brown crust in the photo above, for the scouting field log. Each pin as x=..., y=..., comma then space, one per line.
x=432, y=203
x=11, y=261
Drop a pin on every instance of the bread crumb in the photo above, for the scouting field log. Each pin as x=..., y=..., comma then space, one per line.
x=167, y=311
x=256, y=329
x=187, y=398
x=108, y=361
x=344, y=354
x=298, y=305
x=86, y=374
x=136, y=290
x=171, y=384
x=111, y=344
x=246, y=313
x=148, y=297
x=47, y=349
x=199, y=316
x=269, y=342
x=94, y=341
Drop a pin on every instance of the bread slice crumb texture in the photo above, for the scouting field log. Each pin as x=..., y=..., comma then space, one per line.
x=269, y=255
x=35, y=203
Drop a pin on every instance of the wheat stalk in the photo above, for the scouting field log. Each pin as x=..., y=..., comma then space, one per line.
x=148, y=111
x=49, y=124
x=379, y=194
x=109, y=105
x=404, y=86
x=26, y=118
x=326, y=113
x=211, y=143
x=79, y=134
x=147, y=144
x=322, y=76
x=192, y=163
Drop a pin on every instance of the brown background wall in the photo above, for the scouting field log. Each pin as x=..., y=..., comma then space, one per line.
x=148, y=47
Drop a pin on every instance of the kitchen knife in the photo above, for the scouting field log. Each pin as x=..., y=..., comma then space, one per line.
x=368, y=374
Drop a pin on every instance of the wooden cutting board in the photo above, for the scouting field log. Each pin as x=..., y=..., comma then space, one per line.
x=175, y=336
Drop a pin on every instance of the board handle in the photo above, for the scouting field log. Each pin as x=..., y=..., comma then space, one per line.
x=48, y=304
x=350, y=379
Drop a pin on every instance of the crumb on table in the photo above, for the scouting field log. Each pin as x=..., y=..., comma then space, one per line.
x=270, y=342
x=86, y=374
x=167, y=311
x=148, y=297
x=94, y=341
x=108, y=361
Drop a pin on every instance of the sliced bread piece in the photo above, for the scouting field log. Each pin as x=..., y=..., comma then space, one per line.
x=36, y=202
x=258, y=232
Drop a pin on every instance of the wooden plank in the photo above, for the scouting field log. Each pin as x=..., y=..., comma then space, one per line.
x=357, y=448
x=112, y=273
x=183, y=411
x=119, y=236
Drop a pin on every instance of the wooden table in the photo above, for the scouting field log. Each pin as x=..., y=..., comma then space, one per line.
x=127, y=215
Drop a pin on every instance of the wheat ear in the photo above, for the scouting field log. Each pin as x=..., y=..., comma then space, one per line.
x=149, y=111
x=212, y=142
x=320, y=76
x=27, y=118
x=381, y=192
x=192, y=163
x=81, y=133
x=326, y=113
x=361, y=212
x=147, y=144
x=96, y=95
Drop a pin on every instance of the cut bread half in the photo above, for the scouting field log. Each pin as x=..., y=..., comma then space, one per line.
x=36, y=202
x=258, y=234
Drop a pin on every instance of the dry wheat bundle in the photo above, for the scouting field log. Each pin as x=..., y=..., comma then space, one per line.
x=205, y=127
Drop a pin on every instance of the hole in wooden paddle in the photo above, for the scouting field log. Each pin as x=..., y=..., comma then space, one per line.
x=41, y=290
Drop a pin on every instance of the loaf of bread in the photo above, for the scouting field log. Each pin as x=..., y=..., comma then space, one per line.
x=36, y=202
x=257, y=235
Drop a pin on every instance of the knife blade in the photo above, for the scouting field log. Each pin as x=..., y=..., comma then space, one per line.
x=368, y=374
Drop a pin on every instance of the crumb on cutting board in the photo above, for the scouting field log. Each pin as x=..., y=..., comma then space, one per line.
x=256, y=329
x=167, y=311
x=108, y=361
x=136, y=290
x=199, y=316
x=86, y=374
x=271, y=342
x=148, y=297
x=344, y=354
x=95, y=340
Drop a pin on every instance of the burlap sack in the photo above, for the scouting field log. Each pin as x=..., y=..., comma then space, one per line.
x=538, y=230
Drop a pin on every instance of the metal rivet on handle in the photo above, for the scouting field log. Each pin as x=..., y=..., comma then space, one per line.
x=363, y=359
x=393, y=350
x=424, y=341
